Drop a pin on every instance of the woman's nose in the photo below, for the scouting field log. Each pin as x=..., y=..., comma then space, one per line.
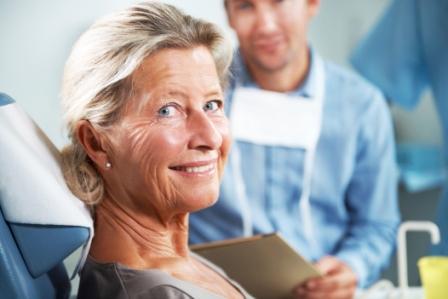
x=204, y=133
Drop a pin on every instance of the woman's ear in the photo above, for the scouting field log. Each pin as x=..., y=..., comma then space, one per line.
x=93, y=143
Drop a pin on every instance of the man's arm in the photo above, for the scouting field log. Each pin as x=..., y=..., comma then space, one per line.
x=371, y=198
x=371, y=201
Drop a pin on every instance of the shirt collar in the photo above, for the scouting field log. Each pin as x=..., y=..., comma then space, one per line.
x=308, y=88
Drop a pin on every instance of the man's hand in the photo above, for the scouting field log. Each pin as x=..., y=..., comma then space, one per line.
x=338, y=281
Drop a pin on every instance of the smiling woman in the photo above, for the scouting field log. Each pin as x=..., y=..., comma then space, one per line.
x=143, y=103
x=172, y=134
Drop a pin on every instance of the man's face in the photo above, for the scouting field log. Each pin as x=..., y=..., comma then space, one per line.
x=271, y=33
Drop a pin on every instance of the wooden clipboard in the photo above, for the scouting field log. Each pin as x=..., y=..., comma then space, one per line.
x=265, y=265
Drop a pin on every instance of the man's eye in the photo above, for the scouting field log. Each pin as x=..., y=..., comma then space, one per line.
x=213, y=105
x=167, y=111
x=244, y=5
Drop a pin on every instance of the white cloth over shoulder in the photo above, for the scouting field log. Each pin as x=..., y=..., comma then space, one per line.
x=32, y=186
x=40, y=195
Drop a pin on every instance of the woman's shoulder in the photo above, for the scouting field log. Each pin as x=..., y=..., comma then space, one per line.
x=115, y=281
x=165, y=291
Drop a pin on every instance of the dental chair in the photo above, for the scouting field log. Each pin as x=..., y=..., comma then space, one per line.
x=33, y=241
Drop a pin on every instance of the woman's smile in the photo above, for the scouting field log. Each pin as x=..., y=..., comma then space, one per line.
x=197, y=169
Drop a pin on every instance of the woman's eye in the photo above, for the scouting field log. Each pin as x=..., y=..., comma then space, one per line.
x=213, y=105
x=167, y=111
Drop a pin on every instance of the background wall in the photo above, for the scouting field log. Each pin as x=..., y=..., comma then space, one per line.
x=36, y=37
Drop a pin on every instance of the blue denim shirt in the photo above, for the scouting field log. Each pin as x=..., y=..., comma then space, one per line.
x=353, y=196
x=405, y=54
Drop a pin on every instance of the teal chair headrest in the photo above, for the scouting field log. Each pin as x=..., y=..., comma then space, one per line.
x=5, y=99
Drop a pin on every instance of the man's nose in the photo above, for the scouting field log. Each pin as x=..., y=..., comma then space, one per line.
x=204, y=133
x=266, y=20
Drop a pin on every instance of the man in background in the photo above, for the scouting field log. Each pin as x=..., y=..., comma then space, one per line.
x=313, y=153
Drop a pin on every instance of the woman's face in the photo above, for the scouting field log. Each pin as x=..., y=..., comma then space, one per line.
x=170, y=144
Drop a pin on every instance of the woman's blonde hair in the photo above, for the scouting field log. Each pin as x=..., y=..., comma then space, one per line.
x=96, y=82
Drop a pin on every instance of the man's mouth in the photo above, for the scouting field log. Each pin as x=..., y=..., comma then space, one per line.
x=269, y=44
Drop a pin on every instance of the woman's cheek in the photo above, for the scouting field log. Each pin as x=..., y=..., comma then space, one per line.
x=223, y=128
x=173, y=139
x=222, y=125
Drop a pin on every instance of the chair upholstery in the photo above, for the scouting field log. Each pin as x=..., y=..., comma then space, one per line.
x=31, y=255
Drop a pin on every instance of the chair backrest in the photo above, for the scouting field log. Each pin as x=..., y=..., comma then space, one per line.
x=16, y=281
x=31, y=254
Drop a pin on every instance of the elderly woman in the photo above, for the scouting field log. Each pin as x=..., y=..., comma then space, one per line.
x=143, y=103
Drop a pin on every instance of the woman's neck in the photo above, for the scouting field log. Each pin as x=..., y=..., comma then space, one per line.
x=138, y=240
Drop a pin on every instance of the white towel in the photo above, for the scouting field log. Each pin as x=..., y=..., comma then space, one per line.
x=32, y=187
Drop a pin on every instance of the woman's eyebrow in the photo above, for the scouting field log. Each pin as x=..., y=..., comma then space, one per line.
x=181, y=94
x=177, y=94
x=213, y=94
x=214, y=91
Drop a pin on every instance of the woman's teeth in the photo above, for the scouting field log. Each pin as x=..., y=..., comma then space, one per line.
x=196, y=169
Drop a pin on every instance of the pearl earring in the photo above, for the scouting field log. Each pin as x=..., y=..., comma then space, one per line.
x=108, y=165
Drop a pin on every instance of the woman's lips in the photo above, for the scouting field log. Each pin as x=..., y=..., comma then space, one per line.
x=196, y=168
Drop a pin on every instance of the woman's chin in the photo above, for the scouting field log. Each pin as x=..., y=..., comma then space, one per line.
x=201, y=202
